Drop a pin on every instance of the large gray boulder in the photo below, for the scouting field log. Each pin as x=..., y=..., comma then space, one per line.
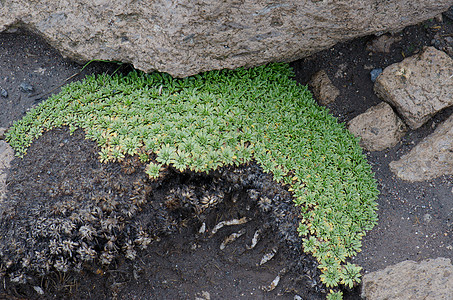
x=419, y=86
x=431, y=158
x=185, y=37
x=410, y=280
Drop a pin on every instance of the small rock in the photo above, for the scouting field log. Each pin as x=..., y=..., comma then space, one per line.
x=2, y=133
x=26, y=87
x=431, y=158
x=12, y=30
x=429, y=279
x=375, y=73
x=435, y=42
x=382, y=43
x=378, y=128
x=427, y=218
x=439, y=18
x=3, y=93
x=323, y=89
x=340, y=73
x=204, y=296
x=419, y=86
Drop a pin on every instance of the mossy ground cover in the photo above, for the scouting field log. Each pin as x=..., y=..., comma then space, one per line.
x=229, y=118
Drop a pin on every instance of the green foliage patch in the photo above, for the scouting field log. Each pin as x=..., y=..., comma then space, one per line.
x=223, y=118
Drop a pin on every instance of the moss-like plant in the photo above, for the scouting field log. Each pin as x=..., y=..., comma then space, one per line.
x=223, y=118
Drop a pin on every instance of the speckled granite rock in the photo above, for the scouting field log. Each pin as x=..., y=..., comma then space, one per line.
x=378, y=128
x=323, y=88
x=185, y=37
x=410, y=280
x=419, y=86
x=431, y=158
x=382, y=43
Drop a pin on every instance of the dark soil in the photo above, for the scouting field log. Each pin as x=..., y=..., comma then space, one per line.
x=181, y=262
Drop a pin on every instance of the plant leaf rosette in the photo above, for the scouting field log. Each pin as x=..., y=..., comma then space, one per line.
x=229, y=117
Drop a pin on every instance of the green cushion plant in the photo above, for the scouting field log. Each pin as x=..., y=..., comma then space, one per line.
x=227, y=117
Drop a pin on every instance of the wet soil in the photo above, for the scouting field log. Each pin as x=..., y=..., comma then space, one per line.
x=415, y=219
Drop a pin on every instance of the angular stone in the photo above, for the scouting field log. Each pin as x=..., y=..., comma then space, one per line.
x=2, y=133
x=419, y=86
x=382, y=43
x=378, y=128
x=6, y=156
x=431, y=158
x=323, y=89
x=185, y=37
x=429, y=279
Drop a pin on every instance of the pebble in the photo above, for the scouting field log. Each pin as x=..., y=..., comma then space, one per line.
x=427, y=218
x=3, y=93
x=204, y=296
x=2, y=133
x=435, y=43
x=375, y=73
x=26, y=87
